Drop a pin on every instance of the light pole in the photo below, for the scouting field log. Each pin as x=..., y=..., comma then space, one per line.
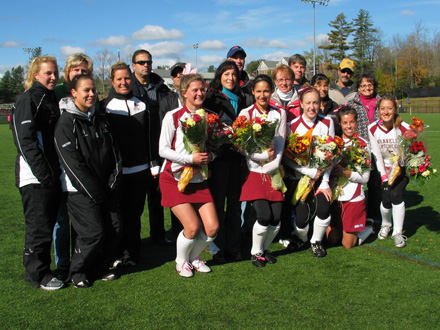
x=314, y=2
x=195, y=46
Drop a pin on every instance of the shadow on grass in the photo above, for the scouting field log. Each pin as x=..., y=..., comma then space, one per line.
x=419, y=216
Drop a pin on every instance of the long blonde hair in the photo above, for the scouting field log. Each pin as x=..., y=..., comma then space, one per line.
x=34, y=68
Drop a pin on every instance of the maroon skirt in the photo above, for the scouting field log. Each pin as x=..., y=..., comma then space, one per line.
x=194, y=192
x=258, y=186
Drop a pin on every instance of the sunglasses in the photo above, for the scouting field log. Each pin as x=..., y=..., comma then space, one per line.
x=144, y=62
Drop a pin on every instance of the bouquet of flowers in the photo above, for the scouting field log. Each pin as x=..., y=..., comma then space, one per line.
x=355, y=158
x=218, y=132
x=413, y=155
x=256, y=135
x=298, y=148
x=195, y=136
x=325, y=149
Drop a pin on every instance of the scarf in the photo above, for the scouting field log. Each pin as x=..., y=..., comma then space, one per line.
x=369, y=103
x=233, y=99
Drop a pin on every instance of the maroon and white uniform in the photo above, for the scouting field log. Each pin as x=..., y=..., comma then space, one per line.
x=385, y=144
x=172, y=149
x=258, y=183
x=321, y=125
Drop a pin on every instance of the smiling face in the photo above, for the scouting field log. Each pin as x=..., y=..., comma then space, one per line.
x=310, y=104
x=194, y=95
x=387, y=109
x=349, y=125
x=262, y=92
x=366, y=88
x=122, y=81
x=322, y=87
x=82, y=68
x=239, y=59
x=47, y=75
x=229, y=79
x=84, y=95
x=345, y=75
x=284, y=82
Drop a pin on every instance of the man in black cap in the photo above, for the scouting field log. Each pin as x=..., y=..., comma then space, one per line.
x=172, y=99
x=238, y=55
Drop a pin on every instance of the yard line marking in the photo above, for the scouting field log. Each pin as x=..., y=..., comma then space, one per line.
x=402, y=255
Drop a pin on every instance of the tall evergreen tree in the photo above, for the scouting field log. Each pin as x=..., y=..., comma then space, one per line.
x=364, y=40
x=5, y=88
x=338, y=38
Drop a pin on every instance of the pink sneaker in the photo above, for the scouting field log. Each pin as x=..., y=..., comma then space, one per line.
x=200, y=265
x=184, y=269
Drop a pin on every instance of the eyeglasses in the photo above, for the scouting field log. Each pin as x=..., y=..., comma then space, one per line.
x=366, y=86
x=144, y=62
x=284, y=80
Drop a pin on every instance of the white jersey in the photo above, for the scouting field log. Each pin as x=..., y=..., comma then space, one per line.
x=385, y=144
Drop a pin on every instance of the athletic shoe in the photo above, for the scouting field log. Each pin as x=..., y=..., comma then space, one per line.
x=258, y=260
x=296, y=244
x=399, y=240
x=109, y=277
x=200, y=265
x=53, y=284
x=270, y=258
x=129, y=263
x=184, y=269
x=117, y=263
x=383, y=232
x=318, y=250
x=81, y=284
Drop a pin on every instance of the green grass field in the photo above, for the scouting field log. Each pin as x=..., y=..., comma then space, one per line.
x=374, y=286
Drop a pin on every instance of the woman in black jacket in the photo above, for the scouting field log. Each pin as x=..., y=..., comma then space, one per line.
x=224, y=98
x=92, y=171
x=33, y=121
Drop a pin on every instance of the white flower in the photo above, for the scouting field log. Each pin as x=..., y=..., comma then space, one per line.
x=256, y=127
x=426, y=173
x=200, y=112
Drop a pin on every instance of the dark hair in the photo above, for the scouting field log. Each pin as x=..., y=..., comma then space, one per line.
x=140, y=51
x=319, y=77
x=75, y=81
x=297, y=58
x=216, y=83
x=263, y=77
x=369, y=77
x=346, y=110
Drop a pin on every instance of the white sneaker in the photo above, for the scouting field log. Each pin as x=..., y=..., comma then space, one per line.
x=384, y=232
x=184, y=269
x=200, y=265
x=399, y=240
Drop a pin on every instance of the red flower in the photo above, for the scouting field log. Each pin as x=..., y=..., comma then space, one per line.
x=413, y=171
x=196, y=118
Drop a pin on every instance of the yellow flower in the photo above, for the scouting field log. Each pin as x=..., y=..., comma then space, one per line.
x=256, y=127
x=190, y=122
x=200, y=112
x=332, y=145
x=426, y=173
x=263, y=116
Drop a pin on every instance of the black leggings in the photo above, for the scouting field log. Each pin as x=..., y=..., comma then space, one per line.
x=302, y=209
x=268, y=213
x=395, y=193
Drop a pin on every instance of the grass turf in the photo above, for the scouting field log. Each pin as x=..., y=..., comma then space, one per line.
x=374, y=286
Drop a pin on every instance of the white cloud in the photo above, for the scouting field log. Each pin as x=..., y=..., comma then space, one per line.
x=69, y=50
x=275, y=56
x=406, y=13
x=265, y=43
x=165, y=48
x=210, y=59
x=320, y=38
x=156, y=32
x=10, y=44
x=213, y=45
x=111, y=41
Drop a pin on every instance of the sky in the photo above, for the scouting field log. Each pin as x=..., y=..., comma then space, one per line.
x=267, y=29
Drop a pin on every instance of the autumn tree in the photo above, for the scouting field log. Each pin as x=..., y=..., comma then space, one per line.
x=338, y=38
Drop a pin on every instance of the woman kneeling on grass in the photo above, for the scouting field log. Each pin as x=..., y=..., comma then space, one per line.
x=384, y=137
x=194, y=207
x=257, y=188
x=348, y=220
x=91, y=172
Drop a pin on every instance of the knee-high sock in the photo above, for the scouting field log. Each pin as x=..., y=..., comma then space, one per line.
x=272, y=231
x=363, y=235
x=398, y=218
x=183, y=247
x=259, y=234
x=202, y=241
x=319, y=229
x=386, y=216
x=302, y=233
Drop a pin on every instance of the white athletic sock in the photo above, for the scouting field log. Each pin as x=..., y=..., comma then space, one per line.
x=363, y=235
x=259, y=234
x=183, y=247
x=386, y=216
x=302, y=233
x=319, y=229
x=398, y=218
x=271, y=233
x=202, y=241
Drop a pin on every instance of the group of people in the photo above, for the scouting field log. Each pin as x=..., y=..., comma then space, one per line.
x=93, y=163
